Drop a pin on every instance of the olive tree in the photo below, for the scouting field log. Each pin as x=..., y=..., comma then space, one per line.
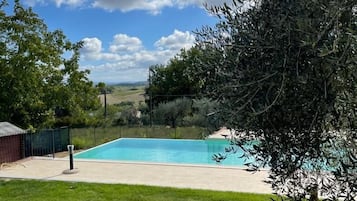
x=285, y=72
x=172, y=113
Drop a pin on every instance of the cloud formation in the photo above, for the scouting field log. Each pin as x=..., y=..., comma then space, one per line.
x=59, y=3
x=152, y=6
x=176, y=41
x=69, y=2
x=124, y=43
x=92, y=45
x=127, y=57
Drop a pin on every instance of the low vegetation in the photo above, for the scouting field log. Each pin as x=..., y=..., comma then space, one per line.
x=31, y=190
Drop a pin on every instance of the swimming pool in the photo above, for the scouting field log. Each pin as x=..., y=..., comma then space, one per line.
x=198, y=152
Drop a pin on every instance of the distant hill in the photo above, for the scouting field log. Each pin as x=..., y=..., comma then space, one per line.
x=129, y=84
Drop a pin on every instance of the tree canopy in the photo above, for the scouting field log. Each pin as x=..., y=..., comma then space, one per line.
x=39, y=86
x=172, y=81
x=284, y=72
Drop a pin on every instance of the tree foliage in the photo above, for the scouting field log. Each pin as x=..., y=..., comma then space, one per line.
x=284, y=72
x=203, y=111
x=172, y=81
x=172, y=113
x=39, y=87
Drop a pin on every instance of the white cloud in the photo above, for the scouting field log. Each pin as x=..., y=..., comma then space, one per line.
x=92, y=48
x=127, y=58
x=73, y=3
x=153, y=6
x=176, y=41
x=92, y=45
x=184, y=3
x=124, y=43
x=59, y=3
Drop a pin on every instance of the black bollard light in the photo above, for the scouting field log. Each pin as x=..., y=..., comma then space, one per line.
x=70, y=151
x=71, y=169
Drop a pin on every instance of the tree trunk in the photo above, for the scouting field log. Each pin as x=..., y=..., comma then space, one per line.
x=314, y=196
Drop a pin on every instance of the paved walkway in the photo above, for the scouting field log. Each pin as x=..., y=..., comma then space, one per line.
x=195, y=177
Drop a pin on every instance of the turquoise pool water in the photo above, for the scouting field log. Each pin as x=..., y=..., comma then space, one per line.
x=197, y=152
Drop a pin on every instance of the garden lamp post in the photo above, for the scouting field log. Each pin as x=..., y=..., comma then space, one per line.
x=71, y=169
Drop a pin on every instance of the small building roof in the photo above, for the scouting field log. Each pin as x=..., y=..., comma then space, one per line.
x=7, y=129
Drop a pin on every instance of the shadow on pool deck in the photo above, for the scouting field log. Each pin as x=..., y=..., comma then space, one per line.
x=195, y=177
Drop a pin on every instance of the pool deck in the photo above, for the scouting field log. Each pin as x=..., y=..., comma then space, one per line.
x=179, y=176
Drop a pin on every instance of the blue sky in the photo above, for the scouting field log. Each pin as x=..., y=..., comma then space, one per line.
x=122, y=38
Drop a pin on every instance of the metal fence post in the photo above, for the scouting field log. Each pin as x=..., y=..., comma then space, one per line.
x=31, y=139
x=53, y=143
x=69, y=135
x=94, y=137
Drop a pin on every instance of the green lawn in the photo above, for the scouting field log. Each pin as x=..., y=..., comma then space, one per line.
x=33, y=190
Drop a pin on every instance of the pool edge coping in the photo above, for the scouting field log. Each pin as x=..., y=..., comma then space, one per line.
x=147, y=163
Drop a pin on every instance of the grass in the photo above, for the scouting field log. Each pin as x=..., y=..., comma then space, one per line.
x=83, y=138
x=124, y=94
x=34, y=190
